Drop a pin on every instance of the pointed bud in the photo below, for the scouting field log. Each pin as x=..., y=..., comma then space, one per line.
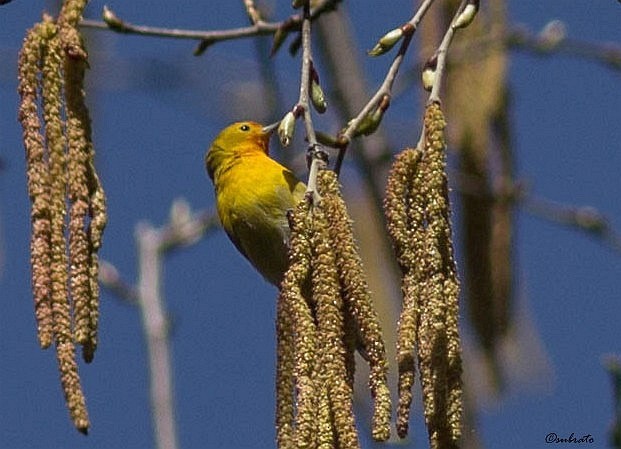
x=391, y=38
x=466, y=17
x=202, y=47
x=112, y=20
x=429, y=73
x=279, y=38
x=317, y=97
x=386, y=42
x=370, y=122
x=295, y=45
x=286, y=129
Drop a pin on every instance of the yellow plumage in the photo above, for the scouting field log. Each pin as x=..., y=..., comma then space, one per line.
x=253, y=195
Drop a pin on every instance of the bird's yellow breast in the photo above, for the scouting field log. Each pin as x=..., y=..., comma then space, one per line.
x=253, y=195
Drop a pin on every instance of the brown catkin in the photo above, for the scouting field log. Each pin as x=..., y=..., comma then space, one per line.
x=70, y=380
x=358, y=301
x=38, y=182
x=398, y=203
x=55, y=139
x=418, y=219
x=61, y=310
x=71, y=13
x=82, y=185
x=98, y=218
x=288, y=334
x=404, y=210
x=62, y=181
x=439, y=345
x=79, y=255
x=455, y=391
x=298, y=431
x=326, y=436
x=285, y=380
x=432, y=362
x=406, y=360
x=330, y=326
x=305, y=375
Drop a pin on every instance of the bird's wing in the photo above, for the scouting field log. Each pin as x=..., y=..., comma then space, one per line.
x=290, y=195
x=236, y=241
x=262, y=240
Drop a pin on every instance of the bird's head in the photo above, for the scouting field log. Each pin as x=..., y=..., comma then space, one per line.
x=237, y=139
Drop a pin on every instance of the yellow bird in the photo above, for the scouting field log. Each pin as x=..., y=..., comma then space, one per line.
x=253, y=195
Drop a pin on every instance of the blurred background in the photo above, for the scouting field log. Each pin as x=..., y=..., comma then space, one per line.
x=533, y=104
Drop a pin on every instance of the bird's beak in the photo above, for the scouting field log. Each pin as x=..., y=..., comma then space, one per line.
x=269, y=129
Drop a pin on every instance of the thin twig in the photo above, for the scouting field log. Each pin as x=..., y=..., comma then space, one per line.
x=349, y=87
x=110, y=278
x=544, y=42
x=307, y=61
x=521, y=38
x=259, y=28
x=585, y=218
x=252, y=11
x=315, y=152
x=384, y=91
x=188, y=230
x=441, y=53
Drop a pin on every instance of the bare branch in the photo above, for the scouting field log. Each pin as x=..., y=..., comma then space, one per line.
x=440, y=56
x=184, y=228
x=551, y=42
x=585, y=218
x=317, y=155
x=383, y=93
x=551, y=39
x=155, y=323
x=259, y=28
x=253, y=13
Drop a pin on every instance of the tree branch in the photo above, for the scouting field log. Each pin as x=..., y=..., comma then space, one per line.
x=317, y=155
x=440, y=56
x=585, y=218
x=184, y=228
x=381, y=98
x=155, y=325
x=259, y=27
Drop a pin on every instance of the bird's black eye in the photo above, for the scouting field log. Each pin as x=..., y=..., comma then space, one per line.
x=245, y=128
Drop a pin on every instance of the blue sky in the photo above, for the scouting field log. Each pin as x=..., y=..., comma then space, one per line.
x=155, y=109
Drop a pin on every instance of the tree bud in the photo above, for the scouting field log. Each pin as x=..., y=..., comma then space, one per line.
x=111, y=19
x=466, y=17
x=386, y=42
x=279, y=38
x=370, y=122
x=429, y=73
x=317, y=97
x=286, y=129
